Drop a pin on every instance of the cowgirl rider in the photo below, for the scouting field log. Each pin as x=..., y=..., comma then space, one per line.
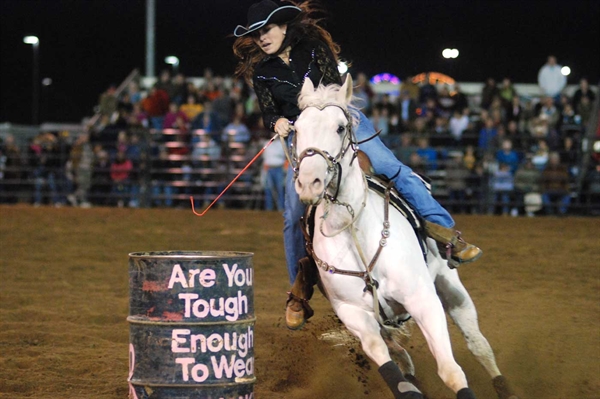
x=280, y=47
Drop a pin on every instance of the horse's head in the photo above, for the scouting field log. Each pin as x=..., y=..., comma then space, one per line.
x=323, y=138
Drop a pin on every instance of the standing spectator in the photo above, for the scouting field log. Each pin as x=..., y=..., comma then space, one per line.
x=363, y=92
x=408, y=109
x=488, y=93
x=156, y=105
x=274, y=181
x=551, y=79
x=179, y=92
x=507, y=92
x=135, y=95
x=82, y=160
x=555, y=186
x=503, y=186
x=427, y=91
x=527, y=183
x=446, y=102
x=120, y=171
x=408, y=85
x=101, y=182
x=460, y=99
x=11, y=171
x=487, y=136
x=107, y=105
x=165, y=83
x=583, y=91
x=459, y=123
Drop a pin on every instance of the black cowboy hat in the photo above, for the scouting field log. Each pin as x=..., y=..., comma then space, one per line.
x=265, y=12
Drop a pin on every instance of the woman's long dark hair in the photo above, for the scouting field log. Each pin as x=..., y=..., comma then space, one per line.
x=304, y=25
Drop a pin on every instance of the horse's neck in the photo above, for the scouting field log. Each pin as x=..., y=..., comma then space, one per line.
x=351, y=192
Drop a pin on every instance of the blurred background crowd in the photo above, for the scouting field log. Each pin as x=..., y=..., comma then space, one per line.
x=499, y=152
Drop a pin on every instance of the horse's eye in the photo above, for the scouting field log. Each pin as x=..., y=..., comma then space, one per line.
x=341, y=129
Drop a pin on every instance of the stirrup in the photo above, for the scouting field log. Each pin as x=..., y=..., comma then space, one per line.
x=295, y=319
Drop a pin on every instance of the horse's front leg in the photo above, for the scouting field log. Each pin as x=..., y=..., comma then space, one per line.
x=427, y=311
x=362, y=324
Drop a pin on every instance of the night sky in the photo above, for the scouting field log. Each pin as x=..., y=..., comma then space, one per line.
x=86, y=45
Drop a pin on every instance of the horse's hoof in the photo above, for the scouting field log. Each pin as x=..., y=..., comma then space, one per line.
x=502, y=388
x=294, y=319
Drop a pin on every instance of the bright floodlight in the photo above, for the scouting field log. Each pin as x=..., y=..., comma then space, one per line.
x=172, y=60
x=31, y=40
x=342, y=67
x=450, y=53
x=565, y=70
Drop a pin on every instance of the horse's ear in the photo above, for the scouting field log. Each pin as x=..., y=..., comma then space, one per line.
x=346, y=90
x=308, y=87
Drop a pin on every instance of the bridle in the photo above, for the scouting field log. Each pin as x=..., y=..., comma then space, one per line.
x=333, y=162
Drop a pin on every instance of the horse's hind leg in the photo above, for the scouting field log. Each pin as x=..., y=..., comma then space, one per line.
x=362, y=324
x=459, y=305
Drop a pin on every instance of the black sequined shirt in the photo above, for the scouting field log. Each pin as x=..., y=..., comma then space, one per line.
x=277, y=85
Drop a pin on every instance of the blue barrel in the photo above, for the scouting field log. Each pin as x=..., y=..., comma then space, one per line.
x=191, y=325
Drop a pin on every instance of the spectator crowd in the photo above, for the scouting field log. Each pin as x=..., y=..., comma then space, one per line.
x=498, y=153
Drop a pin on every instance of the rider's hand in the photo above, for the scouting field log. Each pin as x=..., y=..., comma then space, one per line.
x=283, y=127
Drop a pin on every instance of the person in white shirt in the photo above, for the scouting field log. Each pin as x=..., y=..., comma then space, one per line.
x=459, y=123
x=551, y=79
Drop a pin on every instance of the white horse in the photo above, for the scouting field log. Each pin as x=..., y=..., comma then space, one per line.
x=349, y=224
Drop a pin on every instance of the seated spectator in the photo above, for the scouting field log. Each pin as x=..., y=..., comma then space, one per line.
x=503, y=187
x=236, y=131
x=527, y=182
x=165, y=83
x=406, y=148
x=519, y=139
x=441, y=126
x=540, y=154
x=191, y=108
x=138, y=117
x=135, y=95
x=583, y=91
x=514, y=110
x=120, y=171
x=380, y=122
x=363, y=93
x=555, y=186
x=456, y=183
x=175, y=118
x=469, y=159
x=506, y=155
x=427, y=91
x=160, y=178
x=592, y=192
x=547, y=108
x=209, y=121
x=427, y=154
x=179, y=90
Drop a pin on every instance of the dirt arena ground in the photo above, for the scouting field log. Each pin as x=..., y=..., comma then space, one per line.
x=64, y=302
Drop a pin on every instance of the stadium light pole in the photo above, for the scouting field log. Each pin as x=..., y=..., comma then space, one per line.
x=35, y=106
x=174, y=62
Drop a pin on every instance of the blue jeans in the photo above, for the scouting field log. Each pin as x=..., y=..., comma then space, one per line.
x=385, y=163
x=274, y=189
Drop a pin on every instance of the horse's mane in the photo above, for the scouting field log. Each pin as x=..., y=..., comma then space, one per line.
x=327, y=95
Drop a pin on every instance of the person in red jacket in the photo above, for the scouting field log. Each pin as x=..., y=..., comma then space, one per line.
x=120, y=171
x=156, y=105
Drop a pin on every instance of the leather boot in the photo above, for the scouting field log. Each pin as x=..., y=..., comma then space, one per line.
x=459, y=250
x=297, y=309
